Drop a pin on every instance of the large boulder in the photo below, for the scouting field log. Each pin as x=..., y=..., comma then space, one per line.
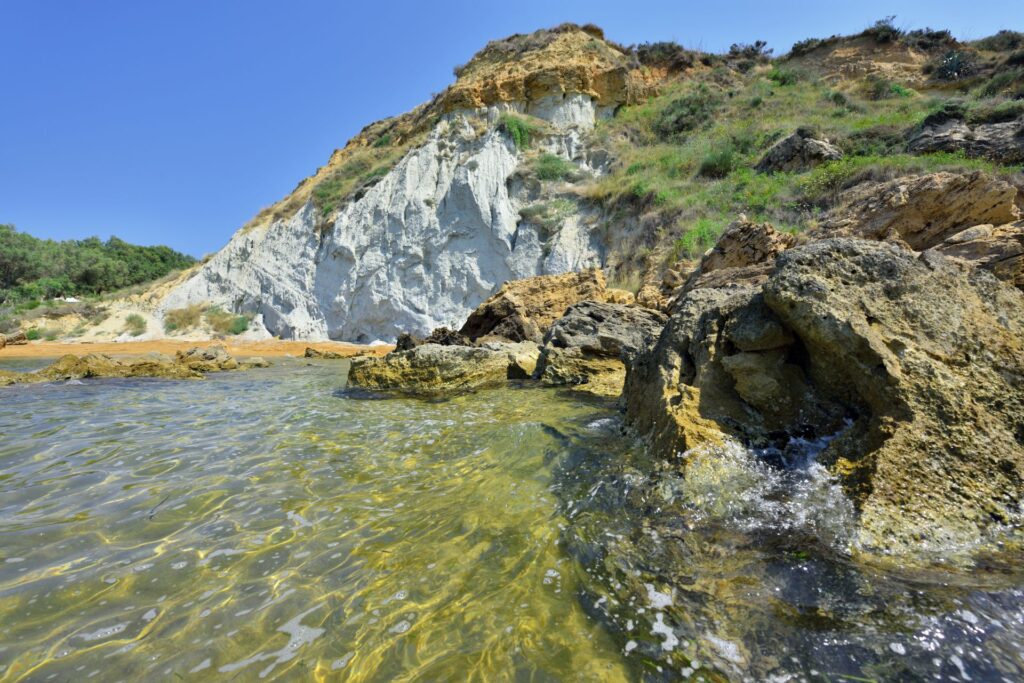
x=433, y=369
x=16, y=339
x=587, y=348
x=523, y=310
x=800, y=151
x=974, y=216
x=1001, y=141
x=913, y=364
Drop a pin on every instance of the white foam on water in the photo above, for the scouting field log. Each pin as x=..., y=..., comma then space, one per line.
x=656, y=599
x=660, y=628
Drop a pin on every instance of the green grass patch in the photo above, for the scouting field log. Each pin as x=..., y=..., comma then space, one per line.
x=135, y=324
x=183, y=318
x=719, y=162
x=519, y=129
x=225, y=322
x=553, y=167
x=33, y=334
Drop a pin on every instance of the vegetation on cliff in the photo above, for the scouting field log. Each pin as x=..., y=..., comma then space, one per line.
x=32, y=269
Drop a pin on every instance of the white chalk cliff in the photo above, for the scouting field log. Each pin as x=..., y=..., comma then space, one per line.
x=420, y=249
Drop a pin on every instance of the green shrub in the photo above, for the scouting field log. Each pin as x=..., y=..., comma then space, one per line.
x=32, y=334
x=225, y=322
x=688, y=112
x=783, y=76
x=135, y=324
x=182, y=318
x=553, y=167
x=383, y=140
x=667, y=54
x=719, y=162
x=239, y=325
x=882, y=89
x=1003, y=41
x=756, y=102
x=884, y=30
x=548, y=216
x=999, y=112
x=519, y=129
x=954, y=65
x=1009, y=82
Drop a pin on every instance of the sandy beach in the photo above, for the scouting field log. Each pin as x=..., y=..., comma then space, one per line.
x=267, y=348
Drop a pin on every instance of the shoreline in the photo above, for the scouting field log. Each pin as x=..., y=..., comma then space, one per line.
x=268, y=348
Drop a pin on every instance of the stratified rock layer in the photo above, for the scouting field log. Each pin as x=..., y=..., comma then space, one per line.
x=524, y=310
x=972, y=216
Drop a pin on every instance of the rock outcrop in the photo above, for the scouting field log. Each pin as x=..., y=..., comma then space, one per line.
x=800, y=151
x=1002, y=141
x=523, y=310
x=743, y=254
x=588, y=347
x=996, y=248
x=191, y=364
x=310, y=352
x=923, y=360
x=15, y=339
x=972, y=216
x=432, y=369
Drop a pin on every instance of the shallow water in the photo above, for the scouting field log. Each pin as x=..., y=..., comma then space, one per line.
x=265, y=525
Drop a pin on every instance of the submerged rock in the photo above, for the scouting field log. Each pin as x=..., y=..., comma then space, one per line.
x=587, y=347
x=191, y=364
x=432, y=369
x=923, y=361
x=325, y=355
x=800, y=151
x=523, y=310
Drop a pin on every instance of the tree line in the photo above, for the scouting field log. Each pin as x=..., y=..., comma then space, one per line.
x=33, y=268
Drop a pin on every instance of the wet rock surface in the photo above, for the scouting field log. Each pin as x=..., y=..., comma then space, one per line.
x=916, y=364
x=587, y=348
x=433, y=369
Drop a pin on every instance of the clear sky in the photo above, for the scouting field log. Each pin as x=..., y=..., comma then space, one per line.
x=174, y=121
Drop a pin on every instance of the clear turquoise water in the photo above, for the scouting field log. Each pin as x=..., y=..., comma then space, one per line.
x=265, y=525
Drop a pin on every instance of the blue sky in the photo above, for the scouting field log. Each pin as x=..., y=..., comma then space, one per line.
x=174, y=121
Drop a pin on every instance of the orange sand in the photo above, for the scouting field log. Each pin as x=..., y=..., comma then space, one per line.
x=266, y=348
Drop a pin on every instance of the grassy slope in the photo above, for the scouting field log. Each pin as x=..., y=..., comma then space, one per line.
x=663, y=206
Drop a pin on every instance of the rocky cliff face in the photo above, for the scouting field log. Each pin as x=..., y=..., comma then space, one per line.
x=442, y=229
x=419, y=250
